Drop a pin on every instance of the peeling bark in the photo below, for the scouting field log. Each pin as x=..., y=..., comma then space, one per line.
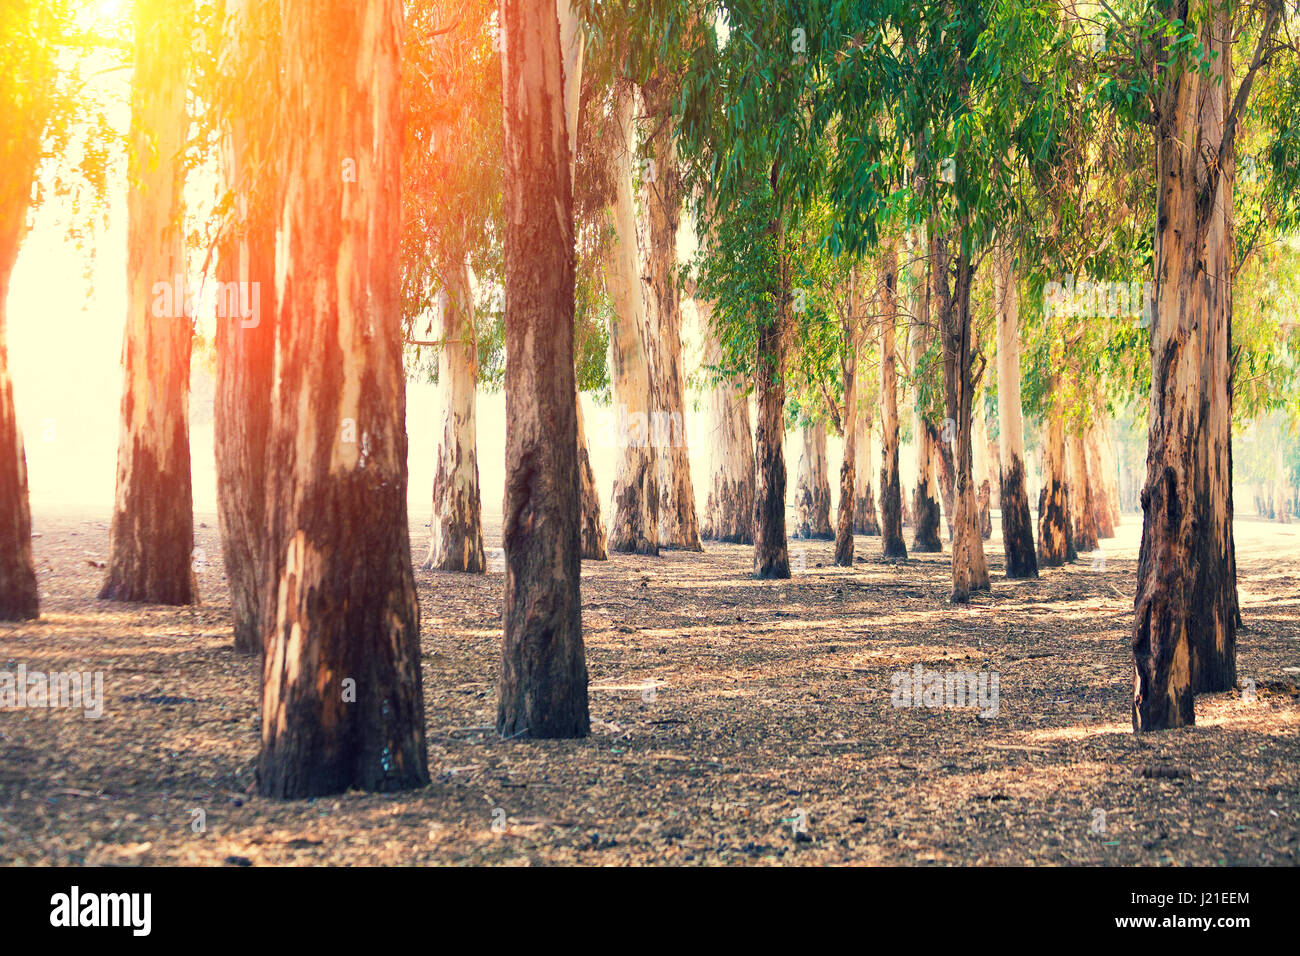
x=812, y=491
x=636, y=501
x=592, y=532
x=729, y=512
x=151, y=540
x=925, y=498
x=542, y=690
x=456, y=532
x=892, y=545
x=1055, y=545
x=342, y=701
x=849, y=328
x=969, y=568
x=945, y=471
x=1101, y=467
x=865, y=518
x=20, y=152
x=1186, y=611
x=1082, y=507
x=662, y=200
x=245, y=347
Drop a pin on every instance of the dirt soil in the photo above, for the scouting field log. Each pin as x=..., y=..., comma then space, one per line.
x=733, y=722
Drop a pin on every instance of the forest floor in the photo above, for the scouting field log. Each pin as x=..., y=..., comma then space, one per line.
x=733, y=721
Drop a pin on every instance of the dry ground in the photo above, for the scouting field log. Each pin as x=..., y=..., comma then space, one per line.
x=769, y=737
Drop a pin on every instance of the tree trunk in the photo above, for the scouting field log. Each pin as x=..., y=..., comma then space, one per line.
x=849, y=423
x=1102, y=453
x=866, y=520
x=342, y=699
x=892, y=545
x=542, y=690
x=19, y=598
x=1082, y=506
x=592, y=532
x=969, y=569
x=20, y=149
x=945, y=470
x=662, y=200
x=572, y=52
x=1055, y=545
x=771, y=552
x=1184, y=632
x=925, y=499
x=1098, y=479
x=636, y=500
x=245, y=347
x=812, y=492
x=151, y=541
x=991, y=457
x=983, y=486
x=1017, y=526
x=729, y=512
x=456, y=533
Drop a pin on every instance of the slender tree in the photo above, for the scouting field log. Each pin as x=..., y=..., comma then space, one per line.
x=456, y=532
x=151, y=539
x=925, y=498
x=981, y=474
x=636, y=504
x=812, y=491
x=892, y=545
x=542, y=691
x=1055, y=544
x=246, y=319
x=1017, y=529
x=866, y=519
x=26, y=74
x=850, y=331
x=661, y=195
x=729, y=511
x=1082, y=513
x=969, y=569
x=573, y=49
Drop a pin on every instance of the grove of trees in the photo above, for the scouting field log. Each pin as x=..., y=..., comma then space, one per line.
x=1000, y=240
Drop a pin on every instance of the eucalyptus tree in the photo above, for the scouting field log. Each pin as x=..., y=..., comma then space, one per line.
x=342, y=700
x=745, y=134
x=892, y=545
x=642, y=51
x=246, y=102
x=1175, y=72
x=925, y=420
x=451, y=221
x=40, y=108
x=729, y=509
x=851, y=332
x=636, y=501
x=1017, y=529
x=151, y=538
x=960, y=94
x=542, y=690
